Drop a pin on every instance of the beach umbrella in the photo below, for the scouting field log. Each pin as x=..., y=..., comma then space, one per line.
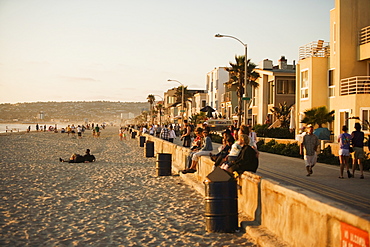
x=292, y=119
x=209, y=111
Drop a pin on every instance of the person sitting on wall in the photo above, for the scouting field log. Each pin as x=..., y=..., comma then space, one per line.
x=220, y=157
x=196, y=145
x=204, y=151
x=247, y=159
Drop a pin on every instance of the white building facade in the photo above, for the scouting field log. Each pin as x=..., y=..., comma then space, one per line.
x=215, y=87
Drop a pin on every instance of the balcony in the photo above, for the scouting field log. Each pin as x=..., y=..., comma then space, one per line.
x=364, y=36
x=355, y=85
x=314, y=49
x=364, y=43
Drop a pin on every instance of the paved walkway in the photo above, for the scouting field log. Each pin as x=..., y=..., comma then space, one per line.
x=354, y=193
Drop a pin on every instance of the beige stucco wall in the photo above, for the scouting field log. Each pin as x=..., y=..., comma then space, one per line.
x=364, y=52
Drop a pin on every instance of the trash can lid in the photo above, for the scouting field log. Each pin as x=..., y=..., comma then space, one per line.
x=219, y=175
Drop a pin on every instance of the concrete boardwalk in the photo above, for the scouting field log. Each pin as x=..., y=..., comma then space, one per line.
x=352, y=195
x=116, y=201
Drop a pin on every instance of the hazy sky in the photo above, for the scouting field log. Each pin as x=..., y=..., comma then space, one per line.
x=124, y=50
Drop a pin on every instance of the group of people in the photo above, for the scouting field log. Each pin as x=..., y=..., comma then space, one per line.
x=165, y=132
x=238, y=152
x=348, y=143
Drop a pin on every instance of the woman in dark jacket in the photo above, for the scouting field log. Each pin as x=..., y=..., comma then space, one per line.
x=247, y=159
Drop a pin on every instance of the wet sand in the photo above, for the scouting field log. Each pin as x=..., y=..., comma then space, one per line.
x=116, y=201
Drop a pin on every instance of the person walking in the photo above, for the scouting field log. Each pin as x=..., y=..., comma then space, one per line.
x=358, y=147
x=172, y=134
x=79, y=131
x=165, y=133
x=344, y=141
x=309, y=147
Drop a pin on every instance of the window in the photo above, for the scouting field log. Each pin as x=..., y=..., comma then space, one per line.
x=304, y=84
x=331, y=83
x=344, y=114
x=203, y=103
x=365, y=113
x=285, y=87
x=271, y=93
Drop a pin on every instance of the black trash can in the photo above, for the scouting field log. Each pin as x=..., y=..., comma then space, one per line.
x=133, y=134
x=221, y=206
x=149, y=149
x=142, y=141
x=164, y=164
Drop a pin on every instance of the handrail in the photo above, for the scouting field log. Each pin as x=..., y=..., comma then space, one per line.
x=355, y=85
x=314, y=49
x=364, y=35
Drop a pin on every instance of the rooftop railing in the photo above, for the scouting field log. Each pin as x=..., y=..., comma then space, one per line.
x=314, y=49
x=364, y=35
x=355, y=85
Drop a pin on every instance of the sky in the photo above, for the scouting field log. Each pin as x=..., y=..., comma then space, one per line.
x=124, y=50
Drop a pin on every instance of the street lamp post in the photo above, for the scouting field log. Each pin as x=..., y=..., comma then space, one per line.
x=160, y=110
x=182, y=99
x=246, y=105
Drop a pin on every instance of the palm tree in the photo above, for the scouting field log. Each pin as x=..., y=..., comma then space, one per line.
x=178, y=95
x=159, y=107
x=318, y=115
x=151, y=100
x=282, y=112
x=236, y=76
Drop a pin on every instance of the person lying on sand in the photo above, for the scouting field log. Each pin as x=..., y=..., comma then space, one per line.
x=76, y=158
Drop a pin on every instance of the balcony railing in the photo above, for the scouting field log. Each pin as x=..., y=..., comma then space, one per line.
x=355, y=85
x=314, y=49
x=364, y=35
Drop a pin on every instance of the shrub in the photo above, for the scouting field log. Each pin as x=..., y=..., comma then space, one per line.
x=263, y=131
x=292, y=150
x=326, y=156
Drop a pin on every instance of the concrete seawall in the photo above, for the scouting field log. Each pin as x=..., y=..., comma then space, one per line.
x=275, y=215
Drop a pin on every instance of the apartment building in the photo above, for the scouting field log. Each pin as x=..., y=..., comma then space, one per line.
x=336, y=74
x=172, y=108
x=276, y=84
x=215, y=87
x=199, y=101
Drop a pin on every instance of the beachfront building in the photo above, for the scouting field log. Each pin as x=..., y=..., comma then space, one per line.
x=199, y=101
x=215, y=87
x=229, y=100
x=338, y=75
x=172, y=106
x=276, y=85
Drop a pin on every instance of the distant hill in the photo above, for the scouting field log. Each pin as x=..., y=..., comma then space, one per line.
x=94, y=111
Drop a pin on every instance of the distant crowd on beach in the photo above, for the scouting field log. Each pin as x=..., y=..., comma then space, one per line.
x=71, y=129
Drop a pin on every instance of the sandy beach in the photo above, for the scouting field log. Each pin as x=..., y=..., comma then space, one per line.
x=116, y=201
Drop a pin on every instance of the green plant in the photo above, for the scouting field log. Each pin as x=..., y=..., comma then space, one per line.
x=282, y=112
x=282, y=133
x=326, y=156
x=318, y=115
